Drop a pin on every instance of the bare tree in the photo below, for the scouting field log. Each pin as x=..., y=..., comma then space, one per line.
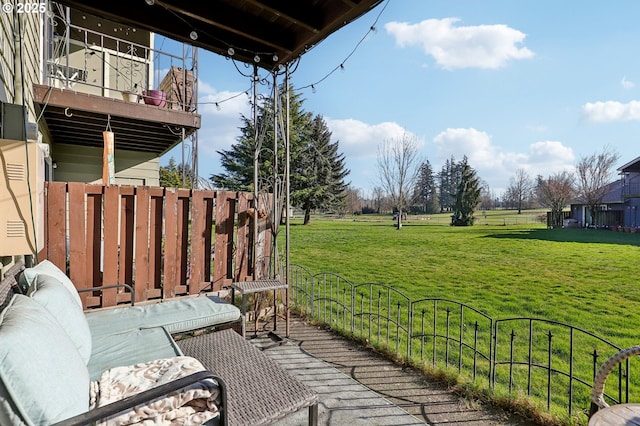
x=487, y=199
x=378, y=198
x=555, y=193
x=520, y=188
x=594, y=173
x=398, y=165
x=353, y=203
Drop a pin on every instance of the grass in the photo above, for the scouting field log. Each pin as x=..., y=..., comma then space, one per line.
x=587, y=278
x=506, y=266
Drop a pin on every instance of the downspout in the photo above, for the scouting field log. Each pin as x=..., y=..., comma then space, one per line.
x=17, y=67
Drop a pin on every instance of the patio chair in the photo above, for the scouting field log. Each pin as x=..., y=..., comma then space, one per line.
x=624, y=411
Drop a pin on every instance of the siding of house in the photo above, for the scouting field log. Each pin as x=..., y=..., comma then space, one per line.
x=84, y=164
x=11, y=85
x=632, y=211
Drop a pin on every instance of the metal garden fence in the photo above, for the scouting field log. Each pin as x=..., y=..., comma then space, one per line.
x=552, y=364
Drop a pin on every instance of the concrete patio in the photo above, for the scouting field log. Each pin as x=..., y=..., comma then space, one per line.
x=357, y=386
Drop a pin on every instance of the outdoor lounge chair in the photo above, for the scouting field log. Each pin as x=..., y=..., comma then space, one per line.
x=622, y=414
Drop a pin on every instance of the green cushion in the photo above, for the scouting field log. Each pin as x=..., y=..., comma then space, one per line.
x=52, y=294
x=130, y=347
x=175, y=315
x=41, y=372
x=47, y=267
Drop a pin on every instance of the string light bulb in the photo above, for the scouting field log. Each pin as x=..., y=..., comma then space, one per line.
x=150, y=2
x=230, y=51
x=275, y=58
x=256, y=58
x=193, y=35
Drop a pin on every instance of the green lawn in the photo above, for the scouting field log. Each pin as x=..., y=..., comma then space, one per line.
x=506, y=266
x=587, y=278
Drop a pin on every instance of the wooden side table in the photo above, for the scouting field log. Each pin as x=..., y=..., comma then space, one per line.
x=258, y=286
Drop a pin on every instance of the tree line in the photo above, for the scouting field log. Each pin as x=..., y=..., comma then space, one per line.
x=406, y=182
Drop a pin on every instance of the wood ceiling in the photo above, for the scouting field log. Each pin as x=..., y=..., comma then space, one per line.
x=274, y=31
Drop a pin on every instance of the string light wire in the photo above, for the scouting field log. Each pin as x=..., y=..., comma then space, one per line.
x=340, y=66
x=294, y=66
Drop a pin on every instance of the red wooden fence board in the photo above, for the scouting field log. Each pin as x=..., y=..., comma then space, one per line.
x=170, y=277
x=110, y=247
x=151, y=238
x=141, y=277
x=154, y=290
x=196, y=270
x=78, y=271
x=56, y=245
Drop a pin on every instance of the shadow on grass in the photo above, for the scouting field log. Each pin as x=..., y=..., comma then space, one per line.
x=574, y=236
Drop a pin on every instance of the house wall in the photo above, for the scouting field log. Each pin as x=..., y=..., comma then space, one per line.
x=112, y=66
x=84, y=164
x=16, y=59
x=19, y=68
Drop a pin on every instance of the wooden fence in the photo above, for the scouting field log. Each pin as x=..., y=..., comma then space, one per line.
x=162, y=241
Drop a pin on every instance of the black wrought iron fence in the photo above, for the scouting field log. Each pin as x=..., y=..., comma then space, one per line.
x=452, y=334
x=553, y=364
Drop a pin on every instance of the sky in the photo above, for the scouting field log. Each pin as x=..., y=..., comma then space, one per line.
x=527, y=84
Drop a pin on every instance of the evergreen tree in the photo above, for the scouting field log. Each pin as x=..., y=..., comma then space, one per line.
x=238, y=160
x=426, y=189
x=317, y=170
x=174, y=175
x=449, y=179
x=467, y=196
x=321, y=174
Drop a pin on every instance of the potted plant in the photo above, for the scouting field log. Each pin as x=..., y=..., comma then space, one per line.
x=155, y=97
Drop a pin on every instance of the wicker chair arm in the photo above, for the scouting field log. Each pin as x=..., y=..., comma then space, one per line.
x=116, y=407
x=597, y=393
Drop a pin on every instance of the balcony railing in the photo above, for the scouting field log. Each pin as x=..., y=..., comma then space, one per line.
x=631, y=189
x=90, y=60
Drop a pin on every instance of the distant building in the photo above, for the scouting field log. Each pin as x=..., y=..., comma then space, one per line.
x=621, y=203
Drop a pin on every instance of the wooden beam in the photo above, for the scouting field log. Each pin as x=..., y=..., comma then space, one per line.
x=46, y=95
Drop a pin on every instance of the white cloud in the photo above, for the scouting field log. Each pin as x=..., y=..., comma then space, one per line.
x=497, y=166
x=549, y=152
x=627, y=84
x=452, y=47
x=220, y=122
x=360, y=140
x=601, y=112
x=475, y=144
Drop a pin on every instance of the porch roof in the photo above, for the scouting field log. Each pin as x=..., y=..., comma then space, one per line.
x=275, y=31
x=631, y=166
